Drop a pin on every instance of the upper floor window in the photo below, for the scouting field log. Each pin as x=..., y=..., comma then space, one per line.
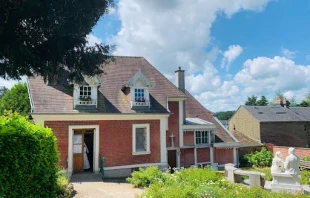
x=202, y=137
x=85, y=92
x=139, y=95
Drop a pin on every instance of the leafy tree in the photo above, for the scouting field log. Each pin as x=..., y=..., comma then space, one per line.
x=293, y=102
x=262, y=102
x=251, y=101
x=40, y=37
x=16, y=99
x=3, y=90
x=304, y=104
x=225, y=115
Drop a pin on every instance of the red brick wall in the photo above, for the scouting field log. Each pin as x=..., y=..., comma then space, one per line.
x=187, y=157
x=188, y=138
x=300, y=152
x=293, y=134
x=203, y=155
x=173, y=123
x=223, y=156
x=115, y=140
x=60, y=130
x=116, y=143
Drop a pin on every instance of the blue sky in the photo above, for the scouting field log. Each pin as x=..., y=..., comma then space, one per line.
x=230, y=49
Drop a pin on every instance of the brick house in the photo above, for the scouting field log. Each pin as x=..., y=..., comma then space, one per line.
x=133, y=116
x=277, y=125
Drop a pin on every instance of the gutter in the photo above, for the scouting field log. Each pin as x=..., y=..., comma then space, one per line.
x=29, y=95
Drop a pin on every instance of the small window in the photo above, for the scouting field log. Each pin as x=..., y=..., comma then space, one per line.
x=202, y=137
x=139, y=95
x=140, y=139
x=85, y=92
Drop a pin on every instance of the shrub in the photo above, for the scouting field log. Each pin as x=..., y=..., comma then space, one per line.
x=260, y=159
x=145, y=177
x=29, y=159
x=63, y=188
x=305, y=175
x=266, y=170
x=306, y=159
x=204, y=183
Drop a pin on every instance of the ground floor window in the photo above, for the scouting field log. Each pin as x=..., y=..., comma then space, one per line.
x=140, y=139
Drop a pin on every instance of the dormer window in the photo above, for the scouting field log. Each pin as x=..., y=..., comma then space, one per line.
x=139, y=91
x=85, y=95
x=139, y=95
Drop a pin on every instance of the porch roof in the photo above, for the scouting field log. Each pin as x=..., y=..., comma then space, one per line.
x=193, y=124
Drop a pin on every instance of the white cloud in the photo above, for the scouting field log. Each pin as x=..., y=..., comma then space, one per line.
x=92, y=40
x=230, y=55
x=176, y=33
x=287, y=53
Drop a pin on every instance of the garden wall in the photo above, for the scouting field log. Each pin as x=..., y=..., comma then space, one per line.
x=300, y=152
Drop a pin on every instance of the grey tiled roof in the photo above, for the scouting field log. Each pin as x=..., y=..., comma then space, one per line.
x=302, y=111
x=111, y=99
x=278, y=113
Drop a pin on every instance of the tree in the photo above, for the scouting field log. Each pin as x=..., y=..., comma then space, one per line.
x=16, y=99
x=225, y=115
x=262, y=102
x=41, y=37
x=251, y=101
x=3, y=90
x=304, y=104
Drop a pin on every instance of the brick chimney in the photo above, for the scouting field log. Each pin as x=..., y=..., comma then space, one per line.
x=180, y=83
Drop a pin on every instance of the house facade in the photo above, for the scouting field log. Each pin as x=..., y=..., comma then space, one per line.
x=133, y=116
x=277, y=125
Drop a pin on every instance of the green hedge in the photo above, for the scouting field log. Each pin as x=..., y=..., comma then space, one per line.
x=28, y=159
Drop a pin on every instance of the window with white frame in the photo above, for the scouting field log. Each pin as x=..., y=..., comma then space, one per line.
x=139, y=95
x=85, y=92
x=140, y=139
x=202, y=137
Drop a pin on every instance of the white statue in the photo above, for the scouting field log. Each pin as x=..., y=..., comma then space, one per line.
x=292, y=162
x=277, y=163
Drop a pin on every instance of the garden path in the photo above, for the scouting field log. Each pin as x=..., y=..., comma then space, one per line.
x=90, y=185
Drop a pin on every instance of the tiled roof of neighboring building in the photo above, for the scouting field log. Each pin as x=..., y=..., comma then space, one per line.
x=111, y=99
x=274, y=114
x=195, y=109
x=302, y=111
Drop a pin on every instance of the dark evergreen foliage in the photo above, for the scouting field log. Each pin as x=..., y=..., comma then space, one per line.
x=41, y=36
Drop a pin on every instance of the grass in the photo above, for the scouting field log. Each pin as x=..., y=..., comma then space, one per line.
x=196, y=183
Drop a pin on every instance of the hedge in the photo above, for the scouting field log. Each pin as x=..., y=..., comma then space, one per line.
x=28, y=158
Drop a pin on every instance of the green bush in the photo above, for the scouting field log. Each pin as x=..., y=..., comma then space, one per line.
x=63, y=188
x=203, y=183
x=306, y=159
x=145, y=177
x=305, y=175
x=260, y=159
x=29, y=159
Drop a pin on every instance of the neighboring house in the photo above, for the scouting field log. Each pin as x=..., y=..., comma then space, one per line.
x=277, y=125
x=133, y=116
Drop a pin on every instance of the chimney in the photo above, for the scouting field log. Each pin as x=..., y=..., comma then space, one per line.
x=179, y=79
x=180, y=83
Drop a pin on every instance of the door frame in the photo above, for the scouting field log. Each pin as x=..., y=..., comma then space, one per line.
x=95, y=142
x=177, y=155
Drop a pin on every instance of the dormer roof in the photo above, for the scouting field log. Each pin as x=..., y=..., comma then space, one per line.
x=139, y=80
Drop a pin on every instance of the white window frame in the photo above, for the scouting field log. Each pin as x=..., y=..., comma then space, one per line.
x=88, y=95
x=206, y=132
x=147, y=127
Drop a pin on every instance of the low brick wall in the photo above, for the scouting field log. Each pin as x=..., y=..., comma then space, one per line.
x=300, y=152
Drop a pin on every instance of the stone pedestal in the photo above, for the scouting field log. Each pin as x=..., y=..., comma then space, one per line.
x=286, y=182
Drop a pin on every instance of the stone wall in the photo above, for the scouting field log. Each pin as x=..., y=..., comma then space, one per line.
x=243, y=122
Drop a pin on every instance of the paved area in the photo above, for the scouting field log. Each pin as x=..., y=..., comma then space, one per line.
x=90, y=185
